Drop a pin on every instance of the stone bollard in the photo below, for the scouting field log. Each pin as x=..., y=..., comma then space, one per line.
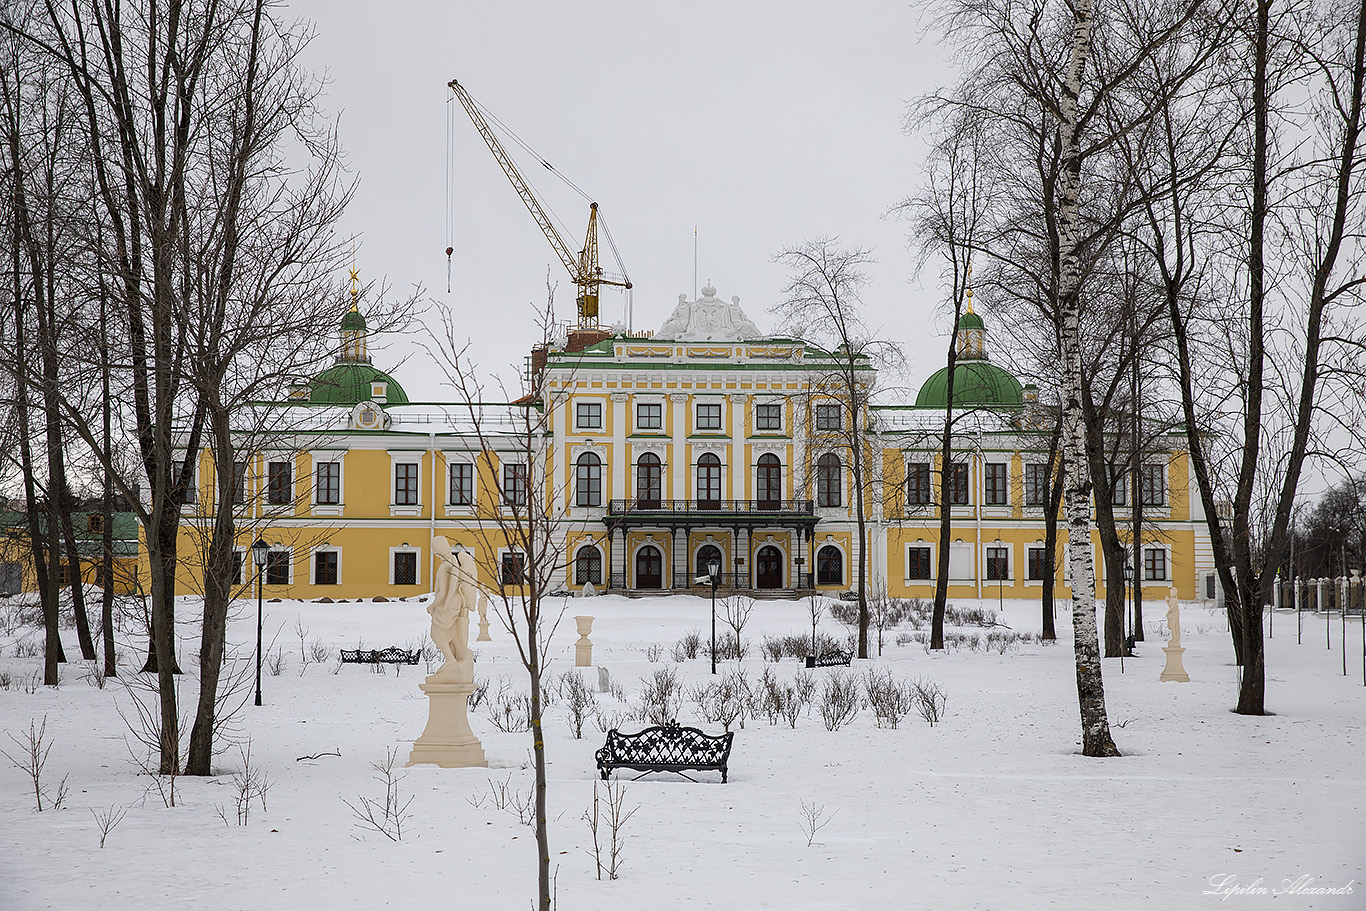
x=604, y=680
x=583, y=648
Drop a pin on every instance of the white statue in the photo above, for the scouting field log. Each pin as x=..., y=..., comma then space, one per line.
x=455, y=595
x=708, y=319
x=1173, y=619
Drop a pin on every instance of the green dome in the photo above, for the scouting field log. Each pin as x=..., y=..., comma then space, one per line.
x=353, y=321
x=348, y=383
x=975, y=382
x=970, y=320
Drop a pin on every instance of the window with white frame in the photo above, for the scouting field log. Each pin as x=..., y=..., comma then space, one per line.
x=514, y=484
x=828, y=480
x=588, y=566
x=918, y=561
x=406, y=483
x=327, y=483
x=239, y=482
x=190, y=493
x=1119, y=490
x=1036, y=484
x=588, y=480
x=326, y=567
x=829, y=566
x=768, y=417
x=828, y=417
x=1153, y=485
x=918, y=491
x=958, y=484
x=461, y=483
x=512, y=568
x=278, y=566
x=649, y=416
x=998, y=563
x=1038, y=564
x=588, y=415
x=997, y=484
x=404, y=564
x=709, y=416
x=1154, y=564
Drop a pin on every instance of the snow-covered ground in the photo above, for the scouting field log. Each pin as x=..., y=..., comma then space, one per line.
x=992, y=808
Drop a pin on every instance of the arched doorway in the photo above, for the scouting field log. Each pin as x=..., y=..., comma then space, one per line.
x=649, y=568
x=768, y=567
x=705, y=555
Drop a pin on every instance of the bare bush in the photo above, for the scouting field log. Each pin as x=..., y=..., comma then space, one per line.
x=248, y=782
x=839, y=700
x=689, y=647
x=611, y=722
x=805, y=686
x=579, y=702
x=31, y=759
x=735, y=611
x=389, y=815
x=771, y=648
x=510, y=800
x=106, y=820
x=653, y=652
x=1002, y=641
x=890, y=699
x=930, y=700
x=661, y=695
x=813, y=819
x=724, y=700
x=276, y=662
x=319, y=652
x=477, y=695
x=615, y=820
x=510, y=712
x=729, y=647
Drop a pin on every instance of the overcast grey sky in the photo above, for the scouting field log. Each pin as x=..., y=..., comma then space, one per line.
x=759, y=123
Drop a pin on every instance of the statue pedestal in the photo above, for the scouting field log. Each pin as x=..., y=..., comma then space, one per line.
x=1174, y=672
x=483, y=631
x=447, y=740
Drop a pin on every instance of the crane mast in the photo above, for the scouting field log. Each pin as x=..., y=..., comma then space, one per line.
x=582, y=266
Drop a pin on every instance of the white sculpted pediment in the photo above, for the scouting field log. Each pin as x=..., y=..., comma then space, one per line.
x=708, y=319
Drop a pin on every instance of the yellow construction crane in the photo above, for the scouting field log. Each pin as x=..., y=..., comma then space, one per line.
x=583, y=266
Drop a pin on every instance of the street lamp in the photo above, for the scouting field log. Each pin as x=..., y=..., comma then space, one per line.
x=1000, y=579
x=260, y=552
x=714, y=572
x=1128, y=636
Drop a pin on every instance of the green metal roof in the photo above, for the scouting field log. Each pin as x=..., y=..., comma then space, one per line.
x=970, y=320
x=975, y=382
x=348, y=383
x=353, y=321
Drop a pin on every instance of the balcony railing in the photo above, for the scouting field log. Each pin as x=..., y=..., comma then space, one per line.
x=728, y=582
x=710, y=507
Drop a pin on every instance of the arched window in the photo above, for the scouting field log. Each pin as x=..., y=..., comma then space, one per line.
x=706, y=554
x=649, y=481
x=588, y=566
x=709, y=481
x=829, y=566
x=770, y=482
x=828, y=480
x=588, y=481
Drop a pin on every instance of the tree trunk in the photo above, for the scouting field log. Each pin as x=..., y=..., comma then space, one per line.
x=1053, y=503
x=1096, y=740
x=941, y=580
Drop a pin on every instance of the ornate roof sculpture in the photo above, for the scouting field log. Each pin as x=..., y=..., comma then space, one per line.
x=708, y=319
x=352, y=378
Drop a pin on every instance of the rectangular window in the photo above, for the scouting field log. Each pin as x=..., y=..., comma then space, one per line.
x=328, y=478
x=768, y=417
x=828, y=417
x=649, y=416
x=94, y=523
x=462, y=484
x=1038, y=563
x=1118, y=490
x=325, y=567
x=405, y=567
x=918, y=491
x=709, y=416
x=64, y=573
x=997, y=481
x=918, y=562
x=513, y=568
x=405, y=484
x=1036, y=484
x=239, y=482
x=1154, y=488
x=279, y=483
x=958, y=484
x=514, y=485
x=588, y=415
x=277, y=567
x=1154, y=564
x=239, y=560
x=998, y=563
x=191, y=492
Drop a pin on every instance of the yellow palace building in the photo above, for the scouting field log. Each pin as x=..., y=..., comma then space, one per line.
x=654, y=455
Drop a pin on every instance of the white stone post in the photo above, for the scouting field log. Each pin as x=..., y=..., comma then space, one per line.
x=583, y=648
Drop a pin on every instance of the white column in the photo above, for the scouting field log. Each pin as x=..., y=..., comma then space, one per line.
x=678, y=455
x=737, y=447
x=621, y=420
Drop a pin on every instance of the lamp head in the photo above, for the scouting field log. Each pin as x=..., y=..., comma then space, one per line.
x=714, y=568
x=259, y=552
x=1128, y=573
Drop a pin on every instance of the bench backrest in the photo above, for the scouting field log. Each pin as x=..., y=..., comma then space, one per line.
x=670, y=743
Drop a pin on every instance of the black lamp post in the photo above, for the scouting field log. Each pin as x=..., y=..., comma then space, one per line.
x=1128, y=635
x=714, y=572
x=260, y=553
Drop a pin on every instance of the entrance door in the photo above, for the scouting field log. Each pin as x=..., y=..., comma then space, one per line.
x=649, y=568
x=768, y=567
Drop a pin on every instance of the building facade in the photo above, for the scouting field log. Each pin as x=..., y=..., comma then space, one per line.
x=653, y=457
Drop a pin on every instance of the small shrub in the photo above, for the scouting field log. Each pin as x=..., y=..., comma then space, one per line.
x=661, y=696
x=929, y=700
x=839, y=700
x=653, y=652
x=771, y=648
x=510, y=713
x=276, y=661
x=319, y=652
x=724, y=700
x=579, y=702
x=889, y=698
x=689, y=647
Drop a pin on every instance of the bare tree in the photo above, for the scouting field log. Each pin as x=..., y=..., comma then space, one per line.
x=821, y=306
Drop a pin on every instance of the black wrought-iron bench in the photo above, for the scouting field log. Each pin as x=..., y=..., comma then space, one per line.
x=391, y=655
x=830, y=659
x=665, y=748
